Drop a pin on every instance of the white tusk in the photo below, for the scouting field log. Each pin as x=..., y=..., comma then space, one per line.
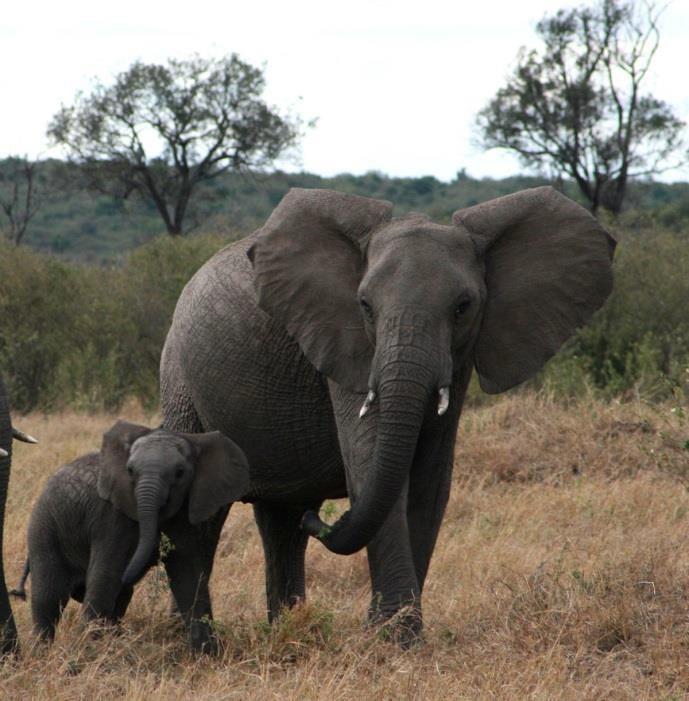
x=443, y=400
x=370, y=398
x=21, y=436
x=3, y=453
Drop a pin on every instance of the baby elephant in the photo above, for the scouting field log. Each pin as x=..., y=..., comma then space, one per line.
x=84, y=539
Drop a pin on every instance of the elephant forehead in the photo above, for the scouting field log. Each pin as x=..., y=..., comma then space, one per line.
x=161, y=444
x=418, y=236
x=425, y=253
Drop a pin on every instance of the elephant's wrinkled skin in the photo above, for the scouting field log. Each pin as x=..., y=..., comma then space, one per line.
x=9, y=641
x=84, y=540
x=332, y=300
x=8, y=630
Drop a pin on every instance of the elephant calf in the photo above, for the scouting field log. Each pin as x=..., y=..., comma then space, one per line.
x=84, y=540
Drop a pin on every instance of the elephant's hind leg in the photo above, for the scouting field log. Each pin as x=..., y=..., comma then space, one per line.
x=284, y=546
x=50, y=591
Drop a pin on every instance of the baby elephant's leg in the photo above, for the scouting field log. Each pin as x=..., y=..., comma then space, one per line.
x=123, y=599
x=189, y=566
x=51, y=584
x=104, y=589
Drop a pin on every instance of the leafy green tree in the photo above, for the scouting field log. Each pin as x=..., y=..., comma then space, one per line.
x=159, y=131
x=576, y=107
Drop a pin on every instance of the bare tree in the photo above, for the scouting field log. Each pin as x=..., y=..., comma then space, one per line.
x=161, y=130
x=576, y=107
x=19, y=196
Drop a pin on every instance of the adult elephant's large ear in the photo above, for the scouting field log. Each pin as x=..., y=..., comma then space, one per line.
x=114, y=483
x=548, y=268
x=308, y=261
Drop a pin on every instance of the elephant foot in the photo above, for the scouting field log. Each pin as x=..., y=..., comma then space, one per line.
x=403, y=627
x=98, y=627
x=202, y=638
x=278, y=610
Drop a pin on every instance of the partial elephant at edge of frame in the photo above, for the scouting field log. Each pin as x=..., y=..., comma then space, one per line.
x=9, y=641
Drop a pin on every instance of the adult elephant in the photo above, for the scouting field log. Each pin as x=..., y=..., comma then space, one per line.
x=336, y=345
x=8, y=630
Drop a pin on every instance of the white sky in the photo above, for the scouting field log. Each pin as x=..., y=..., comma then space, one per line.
x=395, y=84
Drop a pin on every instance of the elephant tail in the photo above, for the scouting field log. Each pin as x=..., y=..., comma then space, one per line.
x=20, y=591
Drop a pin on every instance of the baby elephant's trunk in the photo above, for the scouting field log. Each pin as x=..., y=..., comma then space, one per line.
x=151, y=494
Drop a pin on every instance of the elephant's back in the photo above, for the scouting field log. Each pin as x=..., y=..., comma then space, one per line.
x=245, y=376
x=219, y=291
x=219, y=332
x=72, y=486
x=63, y=514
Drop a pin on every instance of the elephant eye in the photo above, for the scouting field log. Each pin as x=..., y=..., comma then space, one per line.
x=130, y=470
x=366, y=308
x=462, y=307
x=179, y=473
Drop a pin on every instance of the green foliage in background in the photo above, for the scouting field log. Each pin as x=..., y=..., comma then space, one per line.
x=88, y=337
x=638, y=343
x=76, y=225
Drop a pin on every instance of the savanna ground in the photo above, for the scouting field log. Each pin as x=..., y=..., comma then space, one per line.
x=561, y=572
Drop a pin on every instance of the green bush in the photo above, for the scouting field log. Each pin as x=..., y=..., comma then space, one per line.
x=638, y=342
x=86, y=336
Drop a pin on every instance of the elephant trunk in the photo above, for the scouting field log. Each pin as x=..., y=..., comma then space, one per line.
x=409, y=377
x=151, y=494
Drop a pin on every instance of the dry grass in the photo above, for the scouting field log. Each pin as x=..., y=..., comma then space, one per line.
x=560, y=574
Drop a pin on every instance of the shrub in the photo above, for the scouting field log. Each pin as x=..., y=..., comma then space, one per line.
x=639, y=341
x=88, y=337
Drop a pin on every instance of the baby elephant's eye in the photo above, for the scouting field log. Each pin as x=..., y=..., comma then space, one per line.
x=462, y=307
x=130, y=470
x=366, y=308
x=179, y=473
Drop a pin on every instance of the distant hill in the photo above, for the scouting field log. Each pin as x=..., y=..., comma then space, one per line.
x=80, y=225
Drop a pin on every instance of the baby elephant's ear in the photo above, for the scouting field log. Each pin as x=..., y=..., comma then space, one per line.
x=114, y=484
x=221, y=474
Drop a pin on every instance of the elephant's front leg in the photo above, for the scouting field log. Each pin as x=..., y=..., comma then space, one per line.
x=431, y=478
x=395, y=592
x=284, y=548
x=189, y=565
x=107, y=562
x=429, y=490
